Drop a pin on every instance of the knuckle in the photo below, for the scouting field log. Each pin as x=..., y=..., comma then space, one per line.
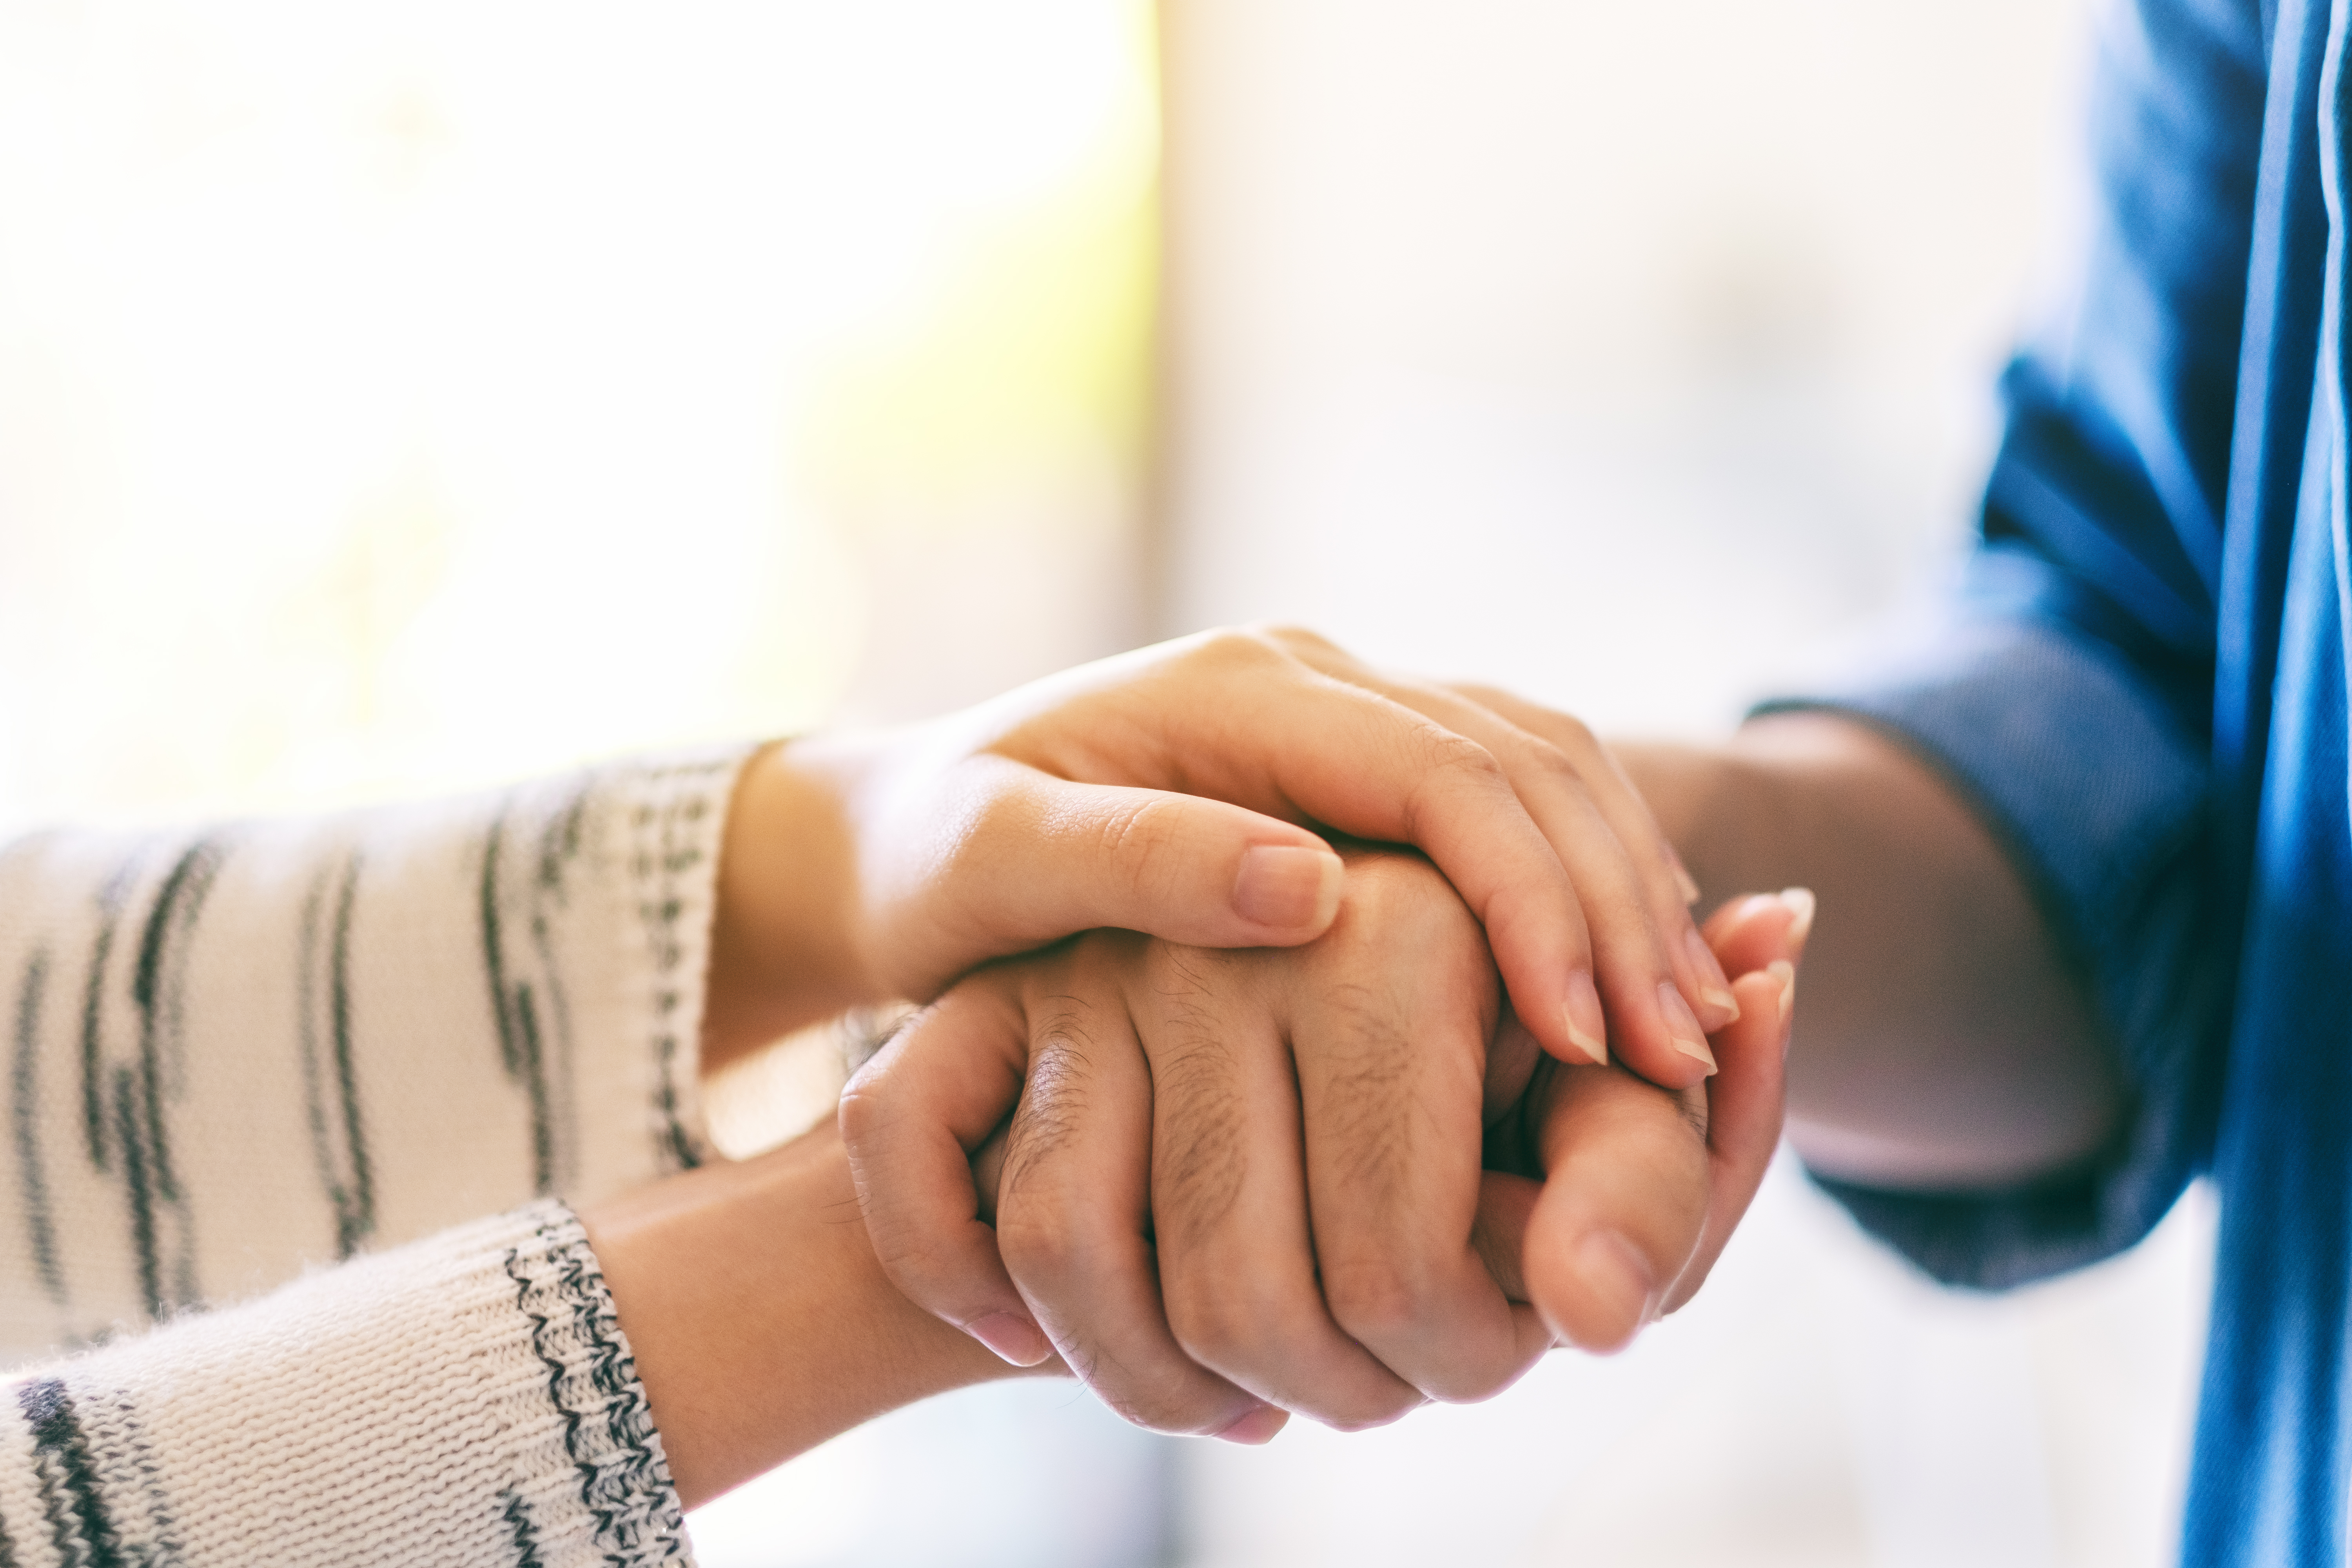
x=1369, y=1415
x=1239, y=650
x=1448, y=765
x=1380, y=1300
x=865, y=1111
x=1384, y=886
x=1296, y=639
x=1477, y=1387
x=1229, y=1331
x=1569, y=732
x=1041, y=1238
x=909, y=1255
x=1162, y=1399
x=1484, y=694
x=1551, y=763
x=1400, y=903
x=1214, y=1329
x=981, y=831
x=1136, y=836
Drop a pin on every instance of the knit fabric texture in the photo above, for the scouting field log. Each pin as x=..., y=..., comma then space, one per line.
x=468, y=1399
x=238, y=1055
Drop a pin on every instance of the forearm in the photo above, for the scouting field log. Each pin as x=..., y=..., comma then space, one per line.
x=466, y=1400
x=246, y=1050
x=760, y=1320
x=1944, y=1041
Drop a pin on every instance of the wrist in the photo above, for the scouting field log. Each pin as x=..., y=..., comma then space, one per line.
x=1695, y=792
x=1741, y=812
x=784, y=948
x=760, y=1321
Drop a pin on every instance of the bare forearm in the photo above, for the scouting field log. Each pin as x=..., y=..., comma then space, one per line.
x=1944, y=1042
x=760, y=1320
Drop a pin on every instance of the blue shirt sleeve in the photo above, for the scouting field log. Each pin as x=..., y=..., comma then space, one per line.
x=2080, y=766
x=2071, y=700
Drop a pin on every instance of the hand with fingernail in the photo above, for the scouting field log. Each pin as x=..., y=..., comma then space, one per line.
x=1342, y=1179
x=1188, y=790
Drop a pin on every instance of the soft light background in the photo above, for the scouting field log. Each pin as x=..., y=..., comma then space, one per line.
x=1638, y=356
x=397, y=397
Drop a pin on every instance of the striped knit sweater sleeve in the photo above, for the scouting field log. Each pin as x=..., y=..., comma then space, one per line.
x=292, y=1066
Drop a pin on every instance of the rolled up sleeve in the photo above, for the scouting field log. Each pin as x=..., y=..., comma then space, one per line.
x=2081, y=767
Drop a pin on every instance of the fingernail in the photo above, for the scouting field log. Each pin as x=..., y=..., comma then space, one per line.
x=1714, y=990
x=1258, y=1426
x=1588, y=1031
x=1684, y=883
x=1782, y=970
x=1012, y=1336
x=1288, y=886
x=1688, y=1037
x=1613, y=1272
x=1801, y=903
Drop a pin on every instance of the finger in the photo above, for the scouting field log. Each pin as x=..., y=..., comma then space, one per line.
x=1229, y=1202
x=1744, y=1103
x=1760, y=937
x=1507, y=1203
x=911, y=1120
x=1588, y=1284
x=1643, y=943
x=1032, y=858
x=1240, y=717
x=1751, y=932
x=1666, y=883
x=1072, y=1212
x=1389, y=1063
x=1624, y=1204
x=1372, y=767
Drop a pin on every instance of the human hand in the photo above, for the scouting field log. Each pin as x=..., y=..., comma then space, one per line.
x=1582, y=1204
x=1179, y=791
x=1239, y=1184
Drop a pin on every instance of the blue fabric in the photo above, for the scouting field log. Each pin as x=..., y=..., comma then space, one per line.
x=2103, y=800
x=2145, y=693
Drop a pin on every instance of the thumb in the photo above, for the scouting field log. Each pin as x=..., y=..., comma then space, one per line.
x=1046, y=857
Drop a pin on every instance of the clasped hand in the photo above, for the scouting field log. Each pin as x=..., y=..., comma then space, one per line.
x=1342, y=1178
x=1236, y=1184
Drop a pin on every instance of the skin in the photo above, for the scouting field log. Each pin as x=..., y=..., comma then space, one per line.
x=1950, y=1046
x=1241, y=1183
x=762, y=1321
x=1128, y=793
x=1168, y=792
x=1947, y=1044
x=1934, y=974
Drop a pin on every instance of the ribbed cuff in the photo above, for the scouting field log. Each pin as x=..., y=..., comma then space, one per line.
x=672, y=814
x=469, y=1399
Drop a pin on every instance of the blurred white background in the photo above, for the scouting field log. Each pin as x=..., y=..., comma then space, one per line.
x=1639, y=356
x=397, y=396
x=406, y=397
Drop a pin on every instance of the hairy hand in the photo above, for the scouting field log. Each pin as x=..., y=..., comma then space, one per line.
x=1239, y=1184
